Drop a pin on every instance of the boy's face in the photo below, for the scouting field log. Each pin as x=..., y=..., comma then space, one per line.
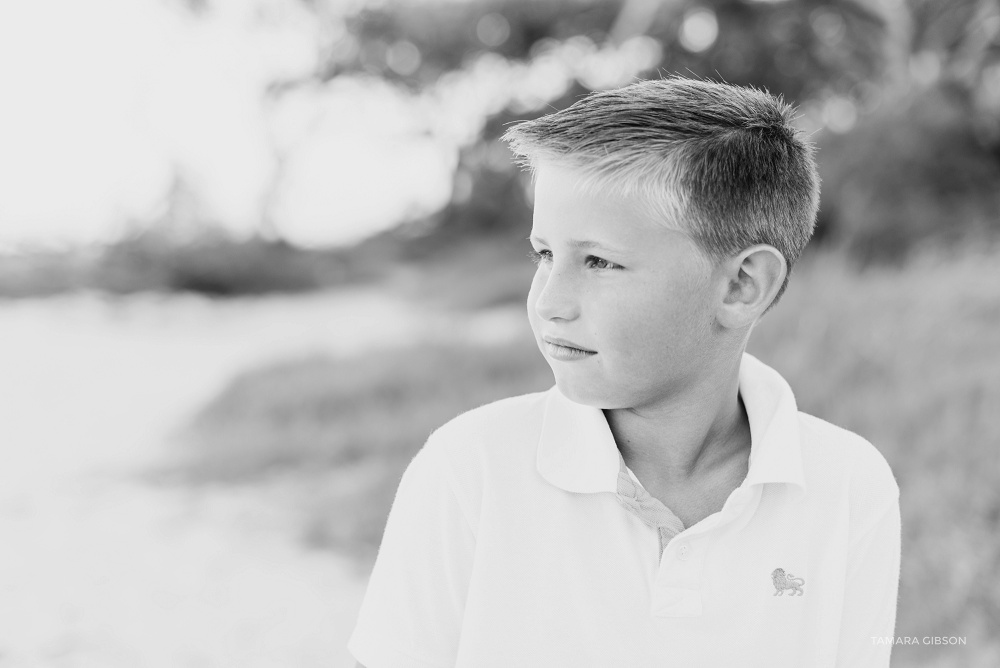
x=635, y=296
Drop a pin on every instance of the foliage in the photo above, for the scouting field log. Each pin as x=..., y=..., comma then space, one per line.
x=911, y=172
x=447, y=35
x=922, y=165
x=934, y=180
x=213, y=264
x=796, y=49
x=775, y=45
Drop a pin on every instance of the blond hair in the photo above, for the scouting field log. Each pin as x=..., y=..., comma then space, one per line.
x=722, y=162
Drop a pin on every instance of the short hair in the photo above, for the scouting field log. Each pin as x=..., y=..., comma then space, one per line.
x=722, y=162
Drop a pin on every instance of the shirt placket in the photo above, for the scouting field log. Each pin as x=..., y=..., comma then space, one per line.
x=636, y=500
x=676, y=588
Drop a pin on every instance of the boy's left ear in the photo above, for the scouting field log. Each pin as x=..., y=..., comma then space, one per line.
x=753, y=277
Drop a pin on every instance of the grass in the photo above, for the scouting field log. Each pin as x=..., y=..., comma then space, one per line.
x=326, y=412
x=308, y=421
x=909, y=357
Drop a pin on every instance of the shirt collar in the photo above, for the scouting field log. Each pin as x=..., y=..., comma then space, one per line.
x=577, y=451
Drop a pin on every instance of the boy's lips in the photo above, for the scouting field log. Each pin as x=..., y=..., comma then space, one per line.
x=554, y=340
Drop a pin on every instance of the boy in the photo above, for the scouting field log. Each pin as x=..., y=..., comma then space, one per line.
x=665, y=503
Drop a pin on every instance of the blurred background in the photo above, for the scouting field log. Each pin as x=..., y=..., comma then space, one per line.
x=253, y=251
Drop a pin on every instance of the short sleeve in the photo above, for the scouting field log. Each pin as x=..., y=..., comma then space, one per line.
x=869, y=616
x=412, y=610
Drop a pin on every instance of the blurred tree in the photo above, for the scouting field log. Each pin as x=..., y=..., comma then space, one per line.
x=801, y=50
x=910, y=174
x=924, y=165
x=958, y=43
x=918, y=82
x=793, y=48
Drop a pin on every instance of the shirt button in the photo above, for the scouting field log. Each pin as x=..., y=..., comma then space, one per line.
x=683, y=552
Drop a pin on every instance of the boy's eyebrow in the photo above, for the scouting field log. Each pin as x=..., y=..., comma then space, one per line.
x=578, y=243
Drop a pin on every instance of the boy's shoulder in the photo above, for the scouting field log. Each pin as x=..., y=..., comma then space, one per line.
x=503, y=423
x=493, y=444
x=829, y=450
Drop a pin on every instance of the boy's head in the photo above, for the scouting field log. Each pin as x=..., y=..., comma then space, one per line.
x=666, y=216
x=721, y=163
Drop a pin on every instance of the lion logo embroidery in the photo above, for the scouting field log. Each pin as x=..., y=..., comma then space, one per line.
x=783, y=581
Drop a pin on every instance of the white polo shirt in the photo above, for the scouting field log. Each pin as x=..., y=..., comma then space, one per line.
x=519, y=538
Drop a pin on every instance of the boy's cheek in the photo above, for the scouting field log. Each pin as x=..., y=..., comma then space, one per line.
x=535, y=323
x=533, y=298
x=532, y=316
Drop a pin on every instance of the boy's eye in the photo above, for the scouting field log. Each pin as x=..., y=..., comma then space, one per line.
x=592, y=261
x=601, y=263
x=540, y=256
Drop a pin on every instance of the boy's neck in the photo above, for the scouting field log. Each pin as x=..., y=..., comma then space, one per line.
x=694, y=435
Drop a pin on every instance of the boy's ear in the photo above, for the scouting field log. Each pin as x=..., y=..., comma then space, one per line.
x=753, y=277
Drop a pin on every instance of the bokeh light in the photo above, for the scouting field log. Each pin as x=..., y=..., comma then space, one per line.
x=699, y=29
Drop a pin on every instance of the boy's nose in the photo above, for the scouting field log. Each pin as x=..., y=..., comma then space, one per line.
x=556, y=298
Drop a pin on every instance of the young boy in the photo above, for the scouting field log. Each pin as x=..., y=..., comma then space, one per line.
x=665, y=503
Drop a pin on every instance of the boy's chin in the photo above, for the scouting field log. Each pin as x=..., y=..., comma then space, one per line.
x=590, y=395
